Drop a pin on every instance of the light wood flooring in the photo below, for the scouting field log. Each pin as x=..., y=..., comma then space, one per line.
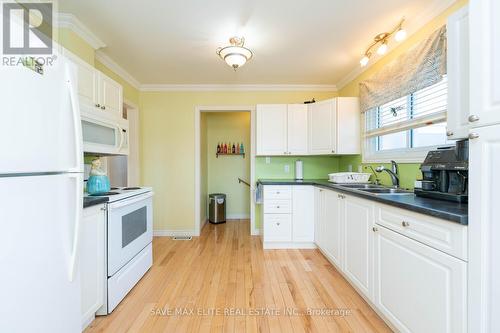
x=224, y=282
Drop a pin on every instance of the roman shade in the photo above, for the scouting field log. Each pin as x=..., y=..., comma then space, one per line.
x=418, y=68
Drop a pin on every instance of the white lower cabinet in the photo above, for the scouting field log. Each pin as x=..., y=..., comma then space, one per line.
x=329, y=225
x=288, y=216
x=418, y=288
x=92, y=262
x=357, y=221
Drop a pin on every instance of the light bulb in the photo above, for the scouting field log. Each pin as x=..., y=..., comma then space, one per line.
x=382, y=49
x=400, y=35
x=364, y=61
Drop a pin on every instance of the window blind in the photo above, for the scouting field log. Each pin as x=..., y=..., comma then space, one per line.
x=424, y=107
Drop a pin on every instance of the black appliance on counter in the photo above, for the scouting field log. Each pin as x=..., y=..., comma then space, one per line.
x=445, y=173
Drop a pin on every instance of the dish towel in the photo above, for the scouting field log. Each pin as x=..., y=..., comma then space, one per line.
x=258, y=194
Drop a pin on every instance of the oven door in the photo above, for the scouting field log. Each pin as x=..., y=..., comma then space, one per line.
x=130, y=229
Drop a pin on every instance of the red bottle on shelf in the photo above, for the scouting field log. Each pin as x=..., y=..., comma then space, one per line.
x=225, y=149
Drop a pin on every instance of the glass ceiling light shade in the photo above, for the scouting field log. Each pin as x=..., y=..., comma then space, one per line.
x=235, y=55
x=381, y=40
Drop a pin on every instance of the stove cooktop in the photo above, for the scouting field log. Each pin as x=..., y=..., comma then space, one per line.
x=120, y=193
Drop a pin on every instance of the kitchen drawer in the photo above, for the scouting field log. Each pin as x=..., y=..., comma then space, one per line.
x=442, y=235
x=278, y=192
x=277, y=206
x=277, y=227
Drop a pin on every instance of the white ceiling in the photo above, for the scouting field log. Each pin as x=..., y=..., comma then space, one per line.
x=294, y=41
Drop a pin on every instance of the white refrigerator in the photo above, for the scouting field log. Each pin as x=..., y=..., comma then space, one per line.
x=41, y=196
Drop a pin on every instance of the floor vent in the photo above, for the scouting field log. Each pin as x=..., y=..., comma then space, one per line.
x=182, y=238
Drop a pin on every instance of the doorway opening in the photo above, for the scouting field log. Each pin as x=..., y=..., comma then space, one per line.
x=230, y=172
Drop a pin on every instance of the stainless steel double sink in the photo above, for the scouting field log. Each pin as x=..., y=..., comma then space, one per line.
x=376, y=189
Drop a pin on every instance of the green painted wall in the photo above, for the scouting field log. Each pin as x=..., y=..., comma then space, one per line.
x=223, y=172
x=408, y=172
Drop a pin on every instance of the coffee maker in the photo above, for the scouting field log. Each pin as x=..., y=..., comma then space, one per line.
x=445, y=173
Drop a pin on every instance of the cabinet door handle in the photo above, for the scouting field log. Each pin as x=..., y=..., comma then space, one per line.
x=375, y=229
x=98, y=105
x=473, y=118
x=333, y=151
x=277, y=206
x=473, y=136
x=405, y=224
x=449, y=133
x=277, y=223
x=103, y=107
x=278, y=192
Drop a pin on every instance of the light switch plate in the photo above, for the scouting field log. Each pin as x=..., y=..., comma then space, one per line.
x=287, y=168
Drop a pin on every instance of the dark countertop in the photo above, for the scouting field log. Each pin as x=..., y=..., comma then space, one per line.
x=92, y=201
x=446, y=210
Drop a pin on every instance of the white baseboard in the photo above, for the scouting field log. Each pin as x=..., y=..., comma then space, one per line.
x=238, y=216
x=288, y=245
x=255, y=232
x=170, y=233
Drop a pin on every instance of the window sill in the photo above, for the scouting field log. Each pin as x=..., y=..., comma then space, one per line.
x=416, y=155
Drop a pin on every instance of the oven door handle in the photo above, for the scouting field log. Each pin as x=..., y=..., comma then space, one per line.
x=126, y=202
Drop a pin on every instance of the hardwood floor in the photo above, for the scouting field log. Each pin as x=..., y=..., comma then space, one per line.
x=224, y=282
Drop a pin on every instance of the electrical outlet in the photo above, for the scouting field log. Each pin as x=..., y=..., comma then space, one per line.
x=287, y=168
x=268, y=160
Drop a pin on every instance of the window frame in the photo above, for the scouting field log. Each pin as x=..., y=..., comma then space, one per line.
x=370, y=154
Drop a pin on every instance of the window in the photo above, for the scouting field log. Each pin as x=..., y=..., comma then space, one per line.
x=408, y=127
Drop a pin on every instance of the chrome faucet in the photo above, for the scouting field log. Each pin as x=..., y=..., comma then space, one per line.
x=394, y=173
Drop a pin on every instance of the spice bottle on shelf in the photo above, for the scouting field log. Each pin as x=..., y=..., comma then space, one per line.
x=224, y=151
x=218, y=148
x=242, y=149
x=237, y=148
x=233, y=150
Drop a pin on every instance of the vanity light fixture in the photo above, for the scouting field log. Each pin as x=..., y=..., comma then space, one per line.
x=381, y=41
x=235, y=55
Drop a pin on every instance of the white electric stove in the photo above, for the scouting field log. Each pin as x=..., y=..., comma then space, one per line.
x=129, y=234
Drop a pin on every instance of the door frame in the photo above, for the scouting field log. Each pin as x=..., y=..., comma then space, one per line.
x=133, y=165
x=198, y=225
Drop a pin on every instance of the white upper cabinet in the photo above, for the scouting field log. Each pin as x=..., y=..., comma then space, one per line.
x=348, y=126
x=458, y=74
x=272, y=129
x=334, y=126
x=484, y=22
x=100, y=96
x=322, y=127
x=87, y=84
x=297, y=129
x=110, y=96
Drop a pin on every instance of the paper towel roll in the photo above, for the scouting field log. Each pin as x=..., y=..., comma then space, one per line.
x=298, y=170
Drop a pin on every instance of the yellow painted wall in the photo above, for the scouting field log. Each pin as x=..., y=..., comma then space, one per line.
x=75, y=44
x=410, y=171
x=167, y=144
x=223, y=172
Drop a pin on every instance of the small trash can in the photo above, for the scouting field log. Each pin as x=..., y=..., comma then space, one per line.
x=217, y=208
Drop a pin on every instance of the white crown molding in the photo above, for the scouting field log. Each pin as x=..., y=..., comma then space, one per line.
x=119, y=70
x=71, y=22
x=412, y=26
x=238, y=87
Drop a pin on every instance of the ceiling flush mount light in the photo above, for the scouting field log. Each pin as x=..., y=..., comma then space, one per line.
x=235, y=55
x=380, y=41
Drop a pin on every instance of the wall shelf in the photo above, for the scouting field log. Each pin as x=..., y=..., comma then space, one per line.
x=228, y=154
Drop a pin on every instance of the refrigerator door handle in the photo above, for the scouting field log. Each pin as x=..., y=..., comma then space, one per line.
x=75, y=251
x=77, y=122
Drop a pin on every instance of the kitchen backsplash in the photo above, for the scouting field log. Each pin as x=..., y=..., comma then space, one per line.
x=315, y=167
